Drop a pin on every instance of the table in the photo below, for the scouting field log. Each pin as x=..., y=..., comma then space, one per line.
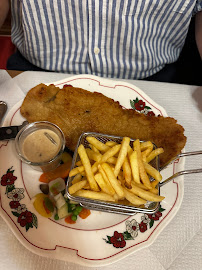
x=179, y=244
x=14, y=73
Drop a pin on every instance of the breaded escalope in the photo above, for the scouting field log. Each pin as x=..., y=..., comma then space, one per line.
x=76, y=111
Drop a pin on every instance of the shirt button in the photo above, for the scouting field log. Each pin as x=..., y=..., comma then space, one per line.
x=96, y=50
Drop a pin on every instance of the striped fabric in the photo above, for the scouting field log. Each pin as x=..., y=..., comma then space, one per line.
x=129, y=39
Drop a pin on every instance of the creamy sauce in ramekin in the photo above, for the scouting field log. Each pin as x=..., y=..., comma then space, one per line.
x=40, y=147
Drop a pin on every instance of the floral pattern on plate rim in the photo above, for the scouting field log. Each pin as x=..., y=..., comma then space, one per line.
x=132, y=227
x=25, y=218
x=140, y=106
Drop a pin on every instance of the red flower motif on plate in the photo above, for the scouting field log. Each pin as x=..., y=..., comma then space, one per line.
x=155, y=216
x=118, y=240
x=139, y=105
x=14, y=204
x=67, y=85
x=8, y=179
x=150, y=113
x=142, y=227
x=25, y=218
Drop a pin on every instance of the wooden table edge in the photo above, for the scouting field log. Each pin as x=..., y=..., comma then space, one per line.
x=14, y=73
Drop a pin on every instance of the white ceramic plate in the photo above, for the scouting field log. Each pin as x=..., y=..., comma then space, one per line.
x=102, y=238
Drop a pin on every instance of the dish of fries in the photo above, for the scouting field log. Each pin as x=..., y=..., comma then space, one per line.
x=107, y=175
x=115, y=174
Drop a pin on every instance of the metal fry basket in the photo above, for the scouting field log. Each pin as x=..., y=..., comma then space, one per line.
x=118, y=208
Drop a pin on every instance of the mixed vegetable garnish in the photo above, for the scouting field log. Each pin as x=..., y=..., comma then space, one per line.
x=51, y=201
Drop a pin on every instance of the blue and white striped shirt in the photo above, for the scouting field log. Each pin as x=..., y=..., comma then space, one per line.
x=129, y=39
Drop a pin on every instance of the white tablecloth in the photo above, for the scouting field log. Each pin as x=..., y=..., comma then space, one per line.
x=179, y=246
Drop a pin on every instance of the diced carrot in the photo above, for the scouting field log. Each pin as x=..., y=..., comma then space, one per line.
x=84, y=213
x=61, y=171
x=69, y=220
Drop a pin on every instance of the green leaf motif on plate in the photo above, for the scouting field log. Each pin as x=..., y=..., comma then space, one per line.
x=15, y=214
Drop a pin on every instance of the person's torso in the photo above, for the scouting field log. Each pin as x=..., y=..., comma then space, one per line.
x=114, y=38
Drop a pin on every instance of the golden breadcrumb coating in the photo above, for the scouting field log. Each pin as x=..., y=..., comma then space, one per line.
x=76, y=111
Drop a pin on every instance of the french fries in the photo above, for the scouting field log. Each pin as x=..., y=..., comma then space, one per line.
x=93, y=155
x=147, y=195
x=154, y=153
x=127, y=173
x=107, y=182
x=113, y=180
x=94, y=195
x=77, y=178
x=87, y=166
x=122, y=155
x=110, y=143
x=146, y=152
x=110, y=153
x=77, y=186
x=153, y=172
x=101, y=182
x=94, y=148
x=134, y=167
x=146, y=145
x=135, y=200
x=143, y=175
x=154, y=183
x=97, y=144
x=153, y=190
x=116, y=172
x=76, y=170
x=112, y=160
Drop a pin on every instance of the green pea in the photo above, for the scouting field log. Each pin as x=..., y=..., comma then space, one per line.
x=74, y=218
x=79, y=208
x=75, y=212
x=56, y=217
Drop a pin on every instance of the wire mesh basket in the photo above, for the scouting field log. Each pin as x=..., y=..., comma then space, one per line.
x=121, y=207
